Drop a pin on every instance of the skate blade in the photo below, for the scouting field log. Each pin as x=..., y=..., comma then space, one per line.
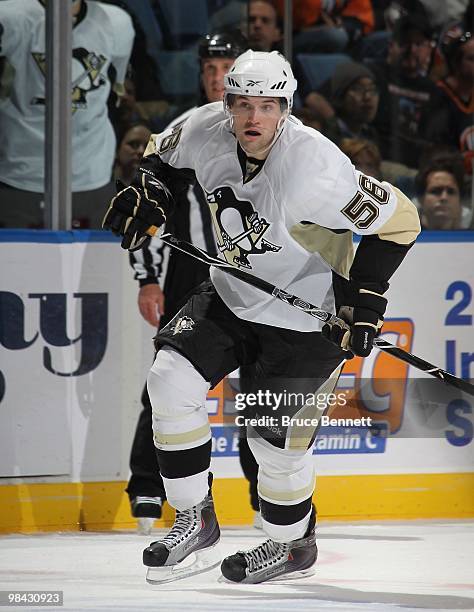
x=145, y=525
x=298, y=575
x=307, y=573
x=197, y=563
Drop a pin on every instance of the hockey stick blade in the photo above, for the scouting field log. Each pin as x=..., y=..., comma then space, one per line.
x=314, y=311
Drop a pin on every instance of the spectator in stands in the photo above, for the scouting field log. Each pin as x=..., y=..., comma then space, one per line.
x=355, y=99
x=450, y=120
x=405, y=93
x=264, y=33
x=374, y=46
x=440, y=185
x=132, y=144
x=364, y=154
x=435, y=12
x=347, y=104
x=101, y=48
x=329, y=26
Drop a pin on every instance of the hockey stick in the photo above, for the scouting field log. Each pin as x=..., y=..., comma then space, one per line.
x=313, y=311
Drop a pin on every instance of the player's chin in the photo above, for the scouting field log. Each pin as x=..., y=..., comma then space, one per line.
x=253, y=142
x=253, y=148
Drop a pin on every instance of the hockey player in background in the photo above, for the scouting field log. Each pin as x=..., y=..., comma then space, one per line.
x=263, y=173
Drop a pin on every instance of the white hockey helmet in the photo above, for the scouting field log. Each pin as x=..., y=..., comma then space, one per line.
x=259, y=73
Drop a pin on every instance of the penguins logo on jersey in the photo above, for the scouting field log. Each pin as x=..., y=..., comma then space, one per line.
x=183, y=324
x=86, y=72
x=238, y=228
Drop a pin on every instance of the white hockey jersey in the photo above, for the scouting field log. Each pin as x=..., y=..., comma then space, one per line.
x=257, y=222
x=103, y=36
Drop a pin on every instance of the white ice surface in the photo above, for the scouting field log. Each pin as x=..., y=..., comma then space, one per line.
x=363, y=566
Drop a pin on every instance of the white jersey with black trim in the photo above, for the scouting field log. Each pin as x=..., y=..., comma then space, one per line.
x=101, y=38
x=257, y=223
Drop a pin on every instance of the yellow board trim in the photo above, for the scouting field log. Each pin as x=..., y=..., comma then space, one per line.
x=99, y=506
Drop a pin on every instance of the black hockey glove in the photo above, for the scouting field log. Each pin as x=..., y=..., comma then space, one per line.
x=138, y=211
x=364, y=319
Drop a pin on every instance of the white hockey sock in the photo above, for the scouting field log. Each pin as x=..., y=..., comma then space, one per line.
x=286, y=533
x=184, y=493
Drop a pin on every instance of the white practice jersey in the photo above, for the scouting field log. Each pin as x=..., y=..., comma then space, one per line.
x=102, y=37
x=258, y=222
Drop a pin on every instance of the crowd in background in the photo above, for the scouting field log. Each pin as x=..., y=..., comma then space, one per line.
x=390, y=82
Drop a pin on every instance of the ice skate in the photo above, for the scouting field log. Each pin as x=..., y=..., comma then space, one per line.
x=146, y=510
x=273, y=560
x=188, y=549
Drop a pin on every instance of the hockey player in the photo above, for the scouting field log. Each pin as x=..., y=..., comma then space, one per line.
x=191, y=221
x=263, y=173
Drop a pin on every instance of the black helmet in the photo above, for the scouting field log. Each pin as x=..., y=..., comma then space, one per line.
x=225, y=43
